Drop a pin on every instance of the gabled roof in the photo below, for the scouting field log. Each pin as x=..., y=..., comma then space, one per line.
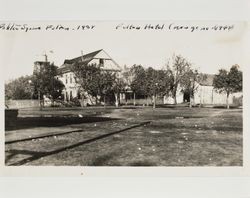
x=41, y=62
x=85, y=58
x=66, y=67
x=207, y=79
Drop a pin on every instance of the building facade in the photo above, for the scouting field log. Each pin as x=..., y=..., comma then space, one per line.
x=65, y=74
x=206, y=94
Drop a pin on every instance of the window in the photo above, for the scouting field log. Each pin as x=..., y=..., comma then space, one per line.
x=70, y=80
x=66, y=77
x=70, y=96
x=78, y=94
x=101, y=61
x=67, y=96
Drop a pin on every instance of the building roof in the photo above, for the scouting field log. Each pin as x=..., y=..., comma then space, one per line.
x=66, y=67
x=85, y=58
x=207, y=79
x=41, y=62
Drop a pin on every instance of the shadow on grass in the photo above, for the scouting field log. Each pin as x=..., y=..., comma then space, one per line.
x=37, y=155
x=30, y=122
x=176, y=116
x=143, y=163
x=174, y=127
x=224, y=107
x=104, y=159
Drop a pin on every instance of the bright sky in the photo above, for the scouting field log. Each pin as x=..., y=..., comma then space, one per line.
x=207, y=50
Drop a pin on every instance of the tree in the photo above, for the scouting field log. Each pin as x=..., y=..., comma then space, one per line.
x=228, y=81
x=88, y=77
x=45, y=82
x=158, y=83
x=164, y=81
x=108, y=84
x=149, y=82
x=138, y=84
x=118, y=88
x=19, y=88
x=178, y=69
x=96, y=82
x=128, y=77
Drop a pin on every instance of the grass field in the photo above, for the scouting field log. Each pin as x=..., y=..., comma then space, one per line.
x=175, y=137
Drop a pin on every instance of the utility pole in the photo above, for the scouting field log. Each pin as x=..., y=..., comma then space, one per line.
x=39, y=98
x=82, y=55
x=154, y=96
x=46, y=57
x=39, y=91
x=31, y=90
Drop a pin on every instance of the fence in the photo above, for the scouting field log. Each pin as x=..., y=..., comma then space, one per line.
x=142, y=101
x=18, y=104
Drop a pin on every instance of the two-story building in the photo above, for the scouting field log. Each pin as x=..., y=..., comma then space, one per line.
x=67, y=76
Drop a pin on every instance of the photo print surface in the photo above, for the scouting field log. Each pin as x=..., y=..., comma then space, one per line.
x=123, y=93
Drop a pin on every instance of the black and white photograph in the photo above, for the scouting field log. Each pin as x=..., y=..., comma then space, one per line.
x=123, y=93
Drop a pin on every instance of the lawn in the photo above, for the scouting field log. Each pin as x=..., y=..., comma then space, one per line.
x=174, y=137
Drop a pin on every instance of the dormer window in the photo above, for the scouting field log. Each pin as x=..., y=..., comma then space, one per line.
x=101, y=61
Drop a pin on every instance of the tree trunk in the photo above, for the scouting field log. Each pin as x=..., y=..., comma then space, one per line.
x=119, y=98
x=116, y=100
x=134, y=98
x=174, y=94
x=39, y=99
x=82, y=102
x=96, y=100
x=190, y=102
x=200, y=98
x=228, y=101
x=104, y=101
x=154, y=101
x=190, y=99
x=175, y=100
x=126, y=99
